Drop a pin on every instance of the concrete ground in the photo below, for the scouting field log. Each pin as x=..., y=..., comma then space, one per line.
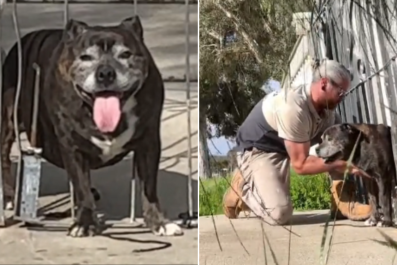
x=243, y=242
x=49, y=245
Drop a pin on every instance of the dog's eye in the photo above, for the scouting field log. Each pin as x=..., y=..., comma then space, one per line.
x=125, y=55
x=86, y=57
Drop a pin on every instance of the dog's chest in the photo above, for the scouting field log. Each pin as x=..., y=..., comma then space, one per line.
x=113, y=146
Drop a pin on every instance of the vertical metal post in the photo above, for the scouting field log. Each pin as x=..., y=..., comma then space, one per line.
x=133, y=190
x=135, y=7
x=16, y=104
x=2, y=216
x=71, y=188
x=66, y=12
x=188, y=103
x=134, y=173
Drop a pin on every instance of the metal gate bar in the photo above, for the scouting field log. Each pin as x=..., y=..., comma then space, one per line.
x=188, y=219
x=189, y=129
x=2, y=54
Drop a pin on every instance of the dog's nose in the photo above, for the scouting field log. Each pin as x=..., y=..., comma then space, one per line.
x=105, y=75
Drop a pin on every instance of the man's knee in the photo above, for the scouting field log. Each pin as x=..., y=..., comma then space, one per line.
x=280, y=215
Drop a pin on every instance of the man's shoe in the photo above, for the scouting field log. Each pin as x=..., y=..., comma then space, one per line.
x=232, y=202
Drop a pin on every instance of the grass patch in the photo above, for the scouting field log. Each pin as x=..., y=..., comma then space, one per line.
x=307, y=193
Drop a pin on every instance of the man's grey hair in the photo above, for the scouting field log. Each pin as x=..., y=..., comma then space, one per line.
x=331, y=69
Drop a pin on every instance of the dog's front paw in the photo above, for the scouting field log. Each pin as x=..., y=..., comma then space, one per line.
x=168, y=229
x=86, y=224
x=385, y=223
x=370, y=222
x=9, y=197
x=8, y=203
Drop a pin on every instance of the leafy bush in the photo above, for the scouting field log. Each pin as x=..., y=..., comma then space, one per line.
x=310, y=192
x=307, y=193
x=211, y=195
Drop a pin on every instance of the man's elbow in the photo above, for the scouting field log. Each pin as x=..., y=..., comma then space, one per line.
x=298, y=168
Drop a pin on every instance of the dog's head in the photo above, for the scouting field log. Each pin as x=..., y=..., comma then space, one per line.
x=105, y=65
x=104, y=59
x=338, y=142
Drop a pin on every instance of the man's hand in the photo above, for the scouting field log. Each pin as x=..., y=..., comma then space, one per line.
x=358, y=172
x=340, y=166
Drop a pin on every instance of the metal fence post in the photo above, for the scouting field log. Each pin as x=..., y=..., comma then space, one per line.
x=2, y=57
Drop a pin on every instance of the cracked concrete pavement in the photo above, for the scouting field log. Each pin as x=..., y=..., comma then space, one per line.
x=49, y=245
x=242, y=241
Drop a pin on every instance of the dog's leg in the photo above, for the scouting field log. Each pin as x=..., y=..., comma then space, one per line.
x=7, y=139
x=385, y=202
x=374, y=218
x=147, y=159
x=86, y=223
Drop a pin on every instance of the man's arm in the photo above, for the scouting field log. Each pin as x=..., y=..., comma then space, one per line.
x=303, y=163
x=294, y=126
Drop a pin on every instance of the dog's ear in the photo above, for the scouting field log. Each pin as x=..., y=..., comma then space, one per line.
x=345, y=127
x=74, y=28
x=134, y=25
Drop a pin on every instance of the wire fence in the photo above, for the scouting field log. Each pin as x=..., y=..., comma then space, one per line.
x=187, y=78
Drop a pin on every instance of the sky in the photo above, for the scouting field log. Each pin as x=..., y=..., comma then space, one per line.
x=220, y=146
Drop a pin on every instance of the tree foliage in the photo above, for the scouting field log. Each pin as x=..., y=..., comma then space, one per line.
x=242, y=45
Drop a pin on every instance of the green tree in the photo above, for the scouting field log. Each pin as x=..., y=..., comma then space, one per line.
x=242, y=45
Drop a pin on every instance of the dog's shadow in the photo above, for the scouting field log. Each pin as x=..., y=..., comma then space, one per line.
x=114, y=186
x=321, y=219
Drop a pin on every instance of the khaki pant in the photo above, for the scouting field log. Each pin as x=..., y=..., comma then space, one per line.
x=266, y=190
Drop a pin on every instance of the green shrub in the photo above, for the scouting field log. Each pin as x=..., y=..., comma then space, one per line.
x=212, y=198
x=307, y=193
x=310, y=192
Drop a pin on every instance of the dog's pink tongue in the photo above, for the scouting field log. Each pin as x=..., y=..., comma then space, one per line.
x=107, y=113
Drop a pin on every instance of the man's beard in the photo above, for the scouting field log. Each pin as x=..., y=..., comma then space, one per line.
x=329, y=105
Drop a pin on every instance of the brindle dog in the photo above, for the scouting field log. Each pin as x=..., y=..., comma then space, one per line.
x=373, y=154
x=101, y=97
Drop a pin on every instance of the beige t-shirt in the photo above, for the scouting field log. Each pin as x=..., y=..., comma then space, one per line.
x=291, y=113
